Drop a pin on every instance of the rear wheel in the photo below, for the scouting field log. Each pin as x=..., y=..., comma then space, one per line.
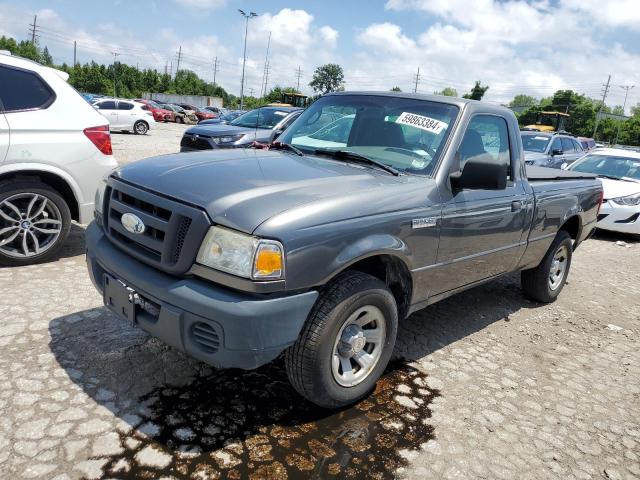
x=545, y=282
x=346, y=342
x=34, y=222
x=140, y=127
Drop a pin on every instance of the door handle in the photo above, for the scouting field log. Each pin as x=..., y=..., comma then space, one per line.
x=516, y=205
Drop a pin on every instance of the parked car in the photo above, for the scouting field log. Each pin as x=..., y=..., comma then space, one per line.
x=550, y=149
x=619, y=172
x=159, y=114
x=319, y=252
x=126, y=115
x=219, y=110
x=204, y=114
x=54, y=149
x=262, y=125
x=177, y=114
x=588, y=144
x=224, y=119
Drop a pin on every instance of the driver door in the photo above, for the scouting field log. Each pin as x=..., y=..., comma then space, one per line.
x=482, y=229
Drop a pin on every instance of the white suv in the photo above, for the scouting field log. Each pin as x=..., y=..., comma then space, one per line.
x=54, y=150
x=126, y=115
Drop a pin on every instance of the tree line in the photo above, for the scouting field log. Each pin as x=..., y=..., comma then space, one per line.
x=127, y=81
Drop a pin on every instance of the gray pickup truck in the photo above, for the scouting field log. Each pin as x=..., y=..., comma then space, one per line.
x=369, y=207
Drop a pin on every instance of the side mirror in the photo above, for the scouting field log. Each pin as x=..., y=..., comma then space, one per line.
x=556, y=151
x=480, y=173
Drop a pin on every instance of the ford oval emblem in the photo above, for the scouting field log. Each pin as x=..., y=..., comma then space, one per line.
x=132, y=223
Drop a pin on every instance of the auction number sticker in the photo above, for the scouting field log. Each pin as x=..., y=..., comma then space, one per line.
x=424, y=123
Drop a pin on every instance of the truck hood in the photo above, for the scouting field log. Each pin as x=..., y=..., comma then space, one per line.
x=242, y=188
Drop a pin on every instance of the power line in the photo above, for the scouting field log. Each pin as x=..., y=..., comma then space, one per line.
x=34, y=27
x=604, y=96
x=298, y=74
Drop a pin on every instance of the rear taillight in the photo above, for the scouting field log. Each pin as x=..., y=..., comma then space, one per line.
x=100, y=137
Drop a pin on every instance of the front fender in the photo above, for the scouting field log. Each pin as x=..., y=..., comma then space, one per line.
x=367, y=247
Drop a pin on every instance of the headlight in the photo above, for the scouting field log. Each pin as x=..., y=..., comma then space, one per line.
x=629, y=201
x=227, y=138
x=242, y=255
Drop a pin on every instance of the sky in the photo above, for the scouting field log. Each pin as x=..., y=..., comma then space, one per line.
x=532, y=47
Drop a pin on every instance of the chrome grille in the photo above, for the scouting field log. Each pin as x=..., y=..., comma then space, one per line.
x=173, y=231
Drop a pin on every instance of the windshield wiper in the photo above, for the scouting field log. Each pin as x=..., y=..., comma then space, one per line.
x=611, y=177
x=286, y=146
x=358, y=157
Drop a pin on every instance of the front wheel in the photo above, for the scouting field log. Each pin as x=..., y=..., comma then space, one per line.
x=346, y=343
x=545, y=282
x=140, y=127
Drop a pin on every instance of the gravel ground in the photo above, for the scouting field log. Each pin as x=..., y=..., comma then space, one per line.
x=485, y=385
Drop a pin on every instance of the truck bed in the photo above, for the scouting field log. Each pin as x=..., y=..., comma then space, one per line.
x=543, y=173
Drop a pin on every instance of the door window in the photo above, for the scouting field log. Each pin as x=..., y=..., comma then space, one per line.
x=556, y=145
x=23, y=90
x=567, y=145
x=486, y=139
x=106, y=105
x=125, y=106
x=577, y=145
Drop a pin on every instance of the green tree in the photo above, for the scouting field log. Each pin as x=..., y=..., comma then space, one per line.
x=618, y=110
x=447, y=92
x=275, y=94
x=635, y=111
x=396, y=89
x=477, y=92
x=46, y=58
x=328, y=78
x=523, y=101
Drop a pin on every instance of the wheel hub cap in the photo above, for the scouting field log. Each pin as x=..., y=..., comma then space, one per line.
x=352, y=341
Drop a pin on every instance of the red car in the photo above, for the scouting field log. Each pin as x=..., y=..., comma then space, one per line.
x=159, y=114
x=201, y=113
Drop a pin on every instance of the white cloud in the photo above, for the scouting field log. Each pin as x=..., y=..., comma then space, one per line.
x=516, y=46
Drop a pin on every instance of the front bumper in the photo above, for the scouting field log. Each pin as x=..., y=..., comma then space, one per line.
x=251, y=330
x=619, y=218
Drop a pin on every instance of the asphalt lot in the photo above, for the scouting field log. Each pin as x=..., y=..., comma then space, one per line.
x=485, y=385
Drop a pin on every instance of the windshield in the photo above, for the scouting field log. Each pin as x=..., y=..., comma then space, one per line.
x=609, y=166
x=406, y=134
x=535, y=143
x=260, y=118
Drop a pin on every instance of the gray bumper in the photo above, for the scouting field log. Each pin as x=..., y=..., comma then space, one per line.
x=251, y=329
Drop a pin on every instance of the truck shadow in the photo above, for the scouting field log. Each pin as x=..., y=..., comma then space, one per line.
x=180, y=418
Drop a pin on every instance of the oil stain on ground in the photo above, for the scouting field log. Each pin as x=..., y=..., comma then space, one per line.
x=253, y=425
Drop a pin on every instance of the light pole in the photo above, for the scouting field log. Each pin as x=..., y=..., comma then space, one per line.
x=624, y=105
x=247, y=16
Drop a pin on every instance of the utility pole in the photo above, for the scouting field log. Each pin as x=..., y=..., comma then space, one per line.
x=246, y=16
x=415, y=89
x=75, y=58
x=624, y=105
x=298, y=74
x=166, y=65
x=34, y=27
x=251, y=91
x=215, y=70
x=604, y=96
x=265, y=73
x=115, y=78
x=179, y=57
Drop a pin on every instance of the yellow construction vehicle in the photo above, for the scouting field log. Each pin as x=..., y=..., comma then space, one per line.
x=549, y=122
x=292, y=100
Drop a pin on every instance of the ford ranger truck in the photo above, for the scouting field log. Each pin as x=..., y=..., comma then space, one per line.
x=370, y=206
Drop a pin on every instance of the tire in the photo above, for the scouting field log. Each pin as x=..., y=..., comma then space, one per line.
x=140, y=127
x=538, y=283
x=18, y=193
x=311, y=360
